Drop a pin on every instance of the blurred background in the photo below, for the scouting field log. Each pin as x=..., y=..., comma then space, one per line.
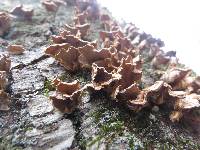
x=176, y=22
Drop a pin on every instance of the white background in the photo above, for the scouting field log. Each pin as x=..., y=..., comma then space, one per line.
x=176, y=22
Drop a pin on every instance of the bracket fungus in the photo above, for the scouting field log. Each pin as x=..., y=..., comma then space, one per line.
x=103, y=80
x=5, y=65
x=53, y=5
x=67, y=96
x=90, y=6
x=5, y=23
x=80, y=18
x=22, y=12
x=16, y=49
x=89, y=54
x=78, y=29
x=160, y=59
x=4, y=101
x=71, y=39
x=67, y=55
x=116, y=67
x=175, y=77
x=3, y=80
x=185, y=105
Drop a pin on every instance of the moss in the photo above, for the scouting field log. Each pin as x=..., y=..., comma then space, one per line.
x=48, y=87
x=6, y=145
x=109, y=126
x=28, y=128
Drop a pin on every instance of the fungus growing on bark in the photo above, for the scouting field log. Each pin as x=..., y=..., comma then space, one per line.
x=160, y=59
x=22, y=12
x=67, y=55
x=68, y=58
x=53, y=5
x=78, y=29
x=80, y=18
x=129, y=73
x=50, y=5
x=5, y=23
x=5, y=63
x=111, y=35
x=3, y=80
x=116, y=68
x=67, y=96
x=88, y=55
x=175, y=76
x=101, y=79
x=137, y=104
x=72, y=40
x=16, y=49
x=184, y=106
x=4, y=101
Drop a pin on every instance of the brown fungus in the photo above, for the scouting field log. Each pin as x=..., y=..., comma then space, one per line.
x=89, y=54
x=67, y=55
x=67, y=97
x=129, y=93
x=158, y=93
x=101, y=79
x=53, y=5
x=68, y=58
x=5, y=63
x=129, y=73
x=55, y=48
x=5, y=23
x=185, y=106
x=193, y=84
x=140, y=102
x=3, y=80
x=16, y=49
x=174, y=77
x=22, y=12
x=80, y=18
x=71, y=39
x=78, y=29
x=160, y=59
x=4, y=101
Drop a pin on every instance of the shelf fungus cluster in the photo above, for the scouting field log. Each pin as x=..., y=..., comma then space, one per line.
x=53, y=5
x=5, y=65
x=151, y=46
x=15, y=49
x=116, y=67
x=90, y=7
x=5, y=23
x=67, y=96
x=22, y=12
